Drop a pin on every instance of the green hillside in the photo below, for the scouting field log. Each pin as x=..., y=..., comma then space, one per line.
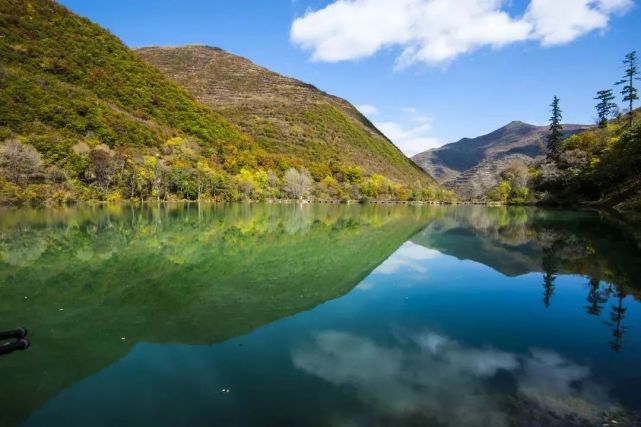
x=82, y=117
x=598, y=167
x=284, y=115
x=63, y=74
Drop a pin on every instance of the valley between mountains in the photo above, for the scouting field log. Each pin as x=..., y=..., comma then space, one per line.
x=85, y=118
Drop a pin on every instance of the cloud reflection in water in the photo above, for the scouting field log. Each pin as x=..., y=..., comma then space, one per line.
x=429, y=374
x=408, y=259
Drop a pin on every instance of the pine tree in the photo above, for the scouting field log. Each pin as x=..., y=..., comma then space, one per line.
x=605, y=107
x=549, y=267
x=629, y=92
x=596, y=297
x=617, y=314
x=556, y=129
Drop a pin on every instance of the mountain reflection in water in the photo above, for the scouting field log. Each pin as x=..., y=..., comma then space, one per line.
x=319, y=315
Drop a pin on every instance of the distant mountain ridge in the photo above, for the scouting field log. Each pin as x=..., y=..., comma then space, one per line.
x=471, y=166
x=285, y=116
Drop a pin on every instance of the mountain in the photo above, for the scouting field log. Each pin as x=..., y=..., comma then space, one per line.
x=285, y=116
x=83, y=117
x=65, y=79
x=472, y=166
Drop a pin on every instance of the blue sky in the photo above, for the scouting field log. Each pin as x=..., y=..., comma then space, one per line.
x=434, y=71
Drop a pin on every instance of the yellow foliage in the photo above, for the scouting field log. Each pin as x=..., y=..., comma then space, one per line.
x=113, y=197
x=176, y=141
x=330, y=181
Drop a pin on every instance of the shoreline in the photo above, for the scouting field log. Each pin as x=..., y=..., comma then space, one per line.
x=215, y=202
x=570, y=206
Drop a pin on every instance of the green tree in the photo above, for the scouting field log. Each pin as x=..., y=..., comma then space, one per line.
x=629, y=92
x=204, y=177
x=605, y=107
x=555, y=135
x=500, y=192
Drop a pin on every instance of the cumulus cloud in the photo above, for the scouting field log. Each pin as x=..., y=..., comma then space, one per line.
x=559, y=22
x=432, y=374
x=367, y=109
x=409, y=140
x=432, y=31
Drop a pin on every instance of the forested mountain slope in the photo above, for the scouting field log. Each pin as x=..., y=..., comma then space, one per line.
x=65, y=81
x=83, y=117
x=598, y=167
x=284, y=115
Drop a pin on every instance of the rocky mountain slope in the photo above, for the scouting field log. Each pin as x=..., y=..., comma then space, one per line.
x=472, y=166
x=475, y=182
x=285, y=116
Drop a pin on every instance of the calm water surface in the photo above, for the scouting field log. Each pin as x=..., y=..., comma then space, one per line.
x=286, y=315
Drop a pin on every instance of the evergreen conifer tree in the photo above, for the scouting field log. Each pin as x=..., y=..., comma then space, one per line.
x=605, y=107
x=555, y=136
x=629, y=91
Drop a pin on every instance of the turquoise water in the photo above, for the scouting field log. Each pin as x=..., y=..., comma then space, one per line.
x=278, y=315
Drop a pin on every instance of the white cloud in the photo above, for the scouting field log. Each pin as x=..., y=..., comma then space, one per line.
x=410, y=141
x=409, y=110
x=433, y=31
x=559, y=22
x=367, y=109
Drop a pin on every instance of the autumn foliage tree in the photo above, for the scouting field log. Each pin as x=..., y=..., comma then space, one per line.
x=104, y=166
x=19, y=161
x=298, y=184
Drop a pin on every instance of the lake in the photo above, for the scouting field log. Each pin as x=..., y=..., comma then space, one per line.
x=319, y=315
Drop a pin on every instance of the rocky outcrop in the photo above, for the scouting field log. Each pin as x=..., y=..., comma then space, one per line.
x=478, y=180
